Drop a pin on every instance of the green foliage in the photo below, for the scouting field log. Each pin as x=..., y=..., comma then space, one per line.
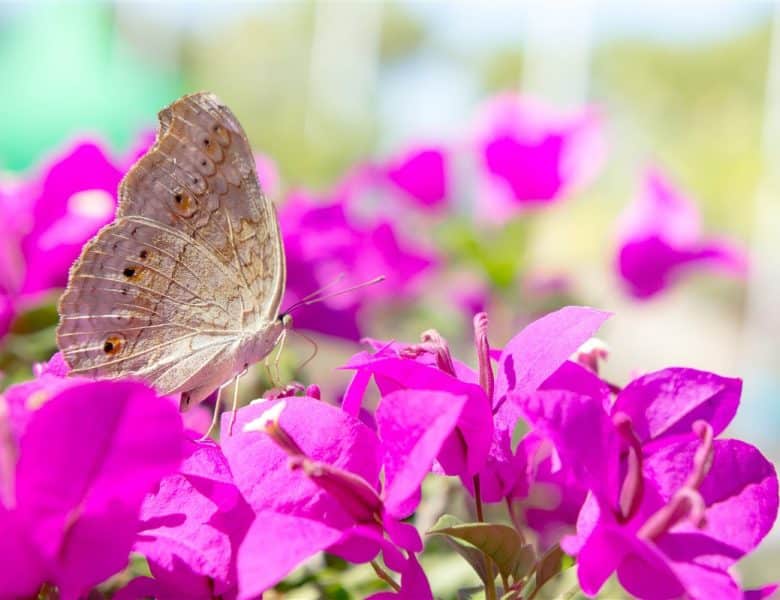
x=497, y=252
x=401, y=34
x=695, y=109
x=502, y=70
x=477, y=542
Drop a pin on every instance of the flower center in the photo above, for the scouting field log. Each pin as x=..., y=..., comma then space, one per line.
x=687, y=502
x=432, y=343
x=486, y=379
x=353, y=493
x=633, y=484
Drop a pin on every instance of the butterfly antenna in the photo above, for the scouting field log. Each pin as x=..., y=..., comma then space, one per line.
x=312, y=342
x=318, y=296
x=327, y=286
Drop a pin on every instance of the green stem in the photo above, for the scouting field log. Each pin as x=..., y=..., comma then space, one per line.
x=385, y=576
x=504, y=583
x=490, y=584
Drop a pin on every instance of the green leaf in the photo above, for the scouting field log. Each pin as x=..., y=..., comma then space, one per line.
x=502, y=543
x=472, y=555
x=553, y=562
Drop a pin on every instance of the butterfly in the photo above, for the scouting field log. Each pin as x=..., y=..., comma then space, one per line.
x=182, y=290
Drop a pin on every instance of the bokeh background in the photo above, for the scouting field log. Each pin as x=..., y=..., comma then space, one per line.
x=323, y=86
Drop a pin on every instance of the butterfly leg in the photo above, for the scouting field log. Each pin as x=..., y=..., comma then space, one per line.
x=235, y=400
x=273, y=367
x=215, y=416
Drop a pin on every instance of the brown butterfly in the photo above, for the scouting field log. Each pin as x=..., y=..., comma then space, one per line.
x=183, y=288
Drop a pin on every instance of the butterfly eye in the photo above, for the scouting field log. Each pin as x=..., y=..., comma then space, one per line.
x=113, y=344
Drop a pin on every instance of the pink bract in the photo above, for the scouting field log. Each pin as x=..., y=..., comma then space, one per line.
x=660, y=238
x=532, y=155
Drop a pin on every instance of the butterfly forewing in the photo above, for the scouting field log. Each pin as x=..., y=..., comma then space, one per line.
x=193, y=263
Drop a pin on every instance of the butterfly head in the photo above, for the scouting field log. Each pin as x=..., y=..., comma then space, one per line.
x=286, y=320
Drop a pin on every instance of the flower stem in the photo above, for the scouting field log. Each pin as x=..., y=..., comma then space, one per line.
x=490, y=584
x=385, y=576
x=513, y=515
x=478, y=499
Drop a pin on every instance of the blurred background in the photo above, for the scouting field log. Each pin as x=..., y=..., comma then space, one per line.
x=325, y=88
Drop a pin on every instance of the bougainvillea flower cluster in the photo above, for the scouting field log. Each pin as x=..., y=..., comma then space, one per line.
x=648, y=488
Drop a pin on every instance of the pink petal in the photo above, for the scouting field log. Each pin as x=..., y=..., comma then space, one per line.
x=23, y=569
x=275, y=544
x=87, y=459
x=760, y=593
x=414, y=584
x=599, y=557
x=463, y=452
x=412, y=426
x=194, y=522
x=542, y=347
x=325, y=433
x=668, y=402
x=741, y=494
x=583, y=435
x=421, y=173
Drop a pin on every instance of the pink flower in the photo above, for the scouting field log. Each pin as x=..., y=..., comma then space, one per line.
x=268, y=175
x=421, y=174
x=660, y=237
x=532, y=155
x=669, y=508
x=312, y=478
x=48, y=218
x=86, y=459
x=482, y=444
x=323, y=241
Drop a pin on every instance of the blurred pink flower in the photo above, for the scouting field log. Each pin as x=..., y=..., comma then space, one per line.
x=421, y=174
x=268, y=175
x=531, y=155
x=49, y=216
x=324, y=241
x=660, y=236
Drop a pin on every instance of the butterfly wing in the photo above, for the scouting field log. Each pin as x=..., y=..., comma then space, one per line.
x=192, y=265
